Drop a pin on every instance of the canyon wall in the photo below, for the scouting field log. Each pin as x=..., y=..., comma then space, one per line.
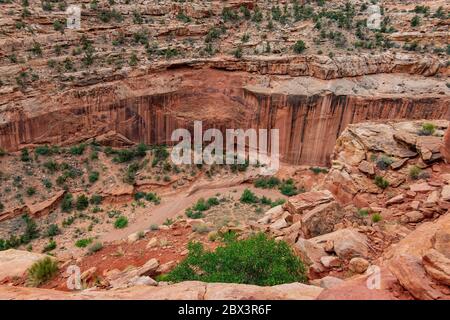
x=310, y=112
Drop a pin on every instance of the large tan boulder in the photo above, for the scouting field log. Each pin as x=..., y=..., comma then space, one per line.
x=420, y=260
x=14, y=263
x=348, y=243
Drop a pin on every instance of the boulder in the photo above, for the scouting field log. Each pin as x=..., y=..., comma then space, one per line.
x=14, y=263
x=307, y=201
x=330, y=261
x=421, y=187
x=412, y=217
x=445, y=193
x=348, y=243
x=308, y=251
x=279, y=224
x=327, y=282
x=358, y=265
x=437, y=266
x=395, y=200
x=366, y=167
x=321, y=219
x=428, y=147
x=445, y=147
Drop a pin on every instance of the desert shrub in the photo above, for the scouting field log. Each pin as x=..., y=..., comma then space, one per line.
x=229, y=14
x=168, y=222
x=363, y=212
x=257, y=260
x=151, y=197
x=44, y=150
x=51, y=166
x=51, y=245
x=130, y=174
x=82, y=202
x=2, y=206
x=213, y=201
x=67, y=203
x=299, y=47
x=415, y=21
x=2, y=152
x=93, y=176
x=266, y=182
x=288, y=188
x=47, y=183
x=384, y=162
x=96, y=199
x=52, y=230
x=77, y=150
x=414, y=172
x=376, y=217
x=139, y=195
x=121, y=222
x=25, y=155
x=154, y=227
x=83, y=243
x=96, y=246
x=427, y=129
x=194, y=214
x=381, y=182
x=31, y=191
x=248, y=197
x=317, y=170
x=42, y=271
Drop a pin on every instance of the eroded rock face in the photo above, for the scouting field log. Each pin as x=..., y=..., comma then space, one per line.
x=14, y=263
x=445, y=148
x=189, y=290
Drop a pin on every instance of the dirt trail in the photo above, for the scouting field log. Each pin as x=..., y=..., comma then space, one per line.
x=175, y=205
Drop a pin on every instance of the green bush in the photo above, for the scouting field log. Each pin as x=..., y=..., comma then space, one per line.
x=248, y=197
x=50, y=246
x=415, y=21
x=96, y=199
x=288, y=188
x=83, y=243
x=82, y=202
x=77, y=150
x=2, y=152
x=384, y=162
x=266, y=182
x=121, y=222
x=427, y=129
x=414, y=172
x=52, y=230
x=257, y=260
x=93, y=176
x=31, y=191
x=299, y=47
x=25, y=155
x=381, y=182
x=67, y=203
x=42, y=271
x=376, y=217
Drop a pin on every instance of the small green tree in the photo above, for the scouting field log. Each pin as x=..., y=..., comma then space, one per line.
x=299, y=47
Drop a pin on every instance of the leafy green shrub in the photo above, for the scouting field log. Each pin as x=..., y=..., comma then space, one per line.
x=381, y=182
x=2, y=152
x=317, y=170
x=299, y=47
x=93, y=176
x=52, y=230
x=42, y=271
x=25, y=155
x=82, y=202
x=266, y=182
x=384, y=162
x=77, y=150
x=248, y=197
x=121, y=222
x=96, y=199
x=50, y=246
x=376, y=217
x=31, y=191
x=67, y=203
x=43, y=150
x=51, y=166
x=139, y=195
x=414, y=172
x=427, y=129
x=257, y=260
x=363, y=212
x=288, y=188
x=83, y=243
x=213, y=201
x=415, y=21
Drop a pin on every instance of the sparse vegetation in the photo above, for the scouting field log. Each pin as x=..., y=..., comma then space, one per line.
x=381, y=182
x=42, y=271
x=121, y=222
